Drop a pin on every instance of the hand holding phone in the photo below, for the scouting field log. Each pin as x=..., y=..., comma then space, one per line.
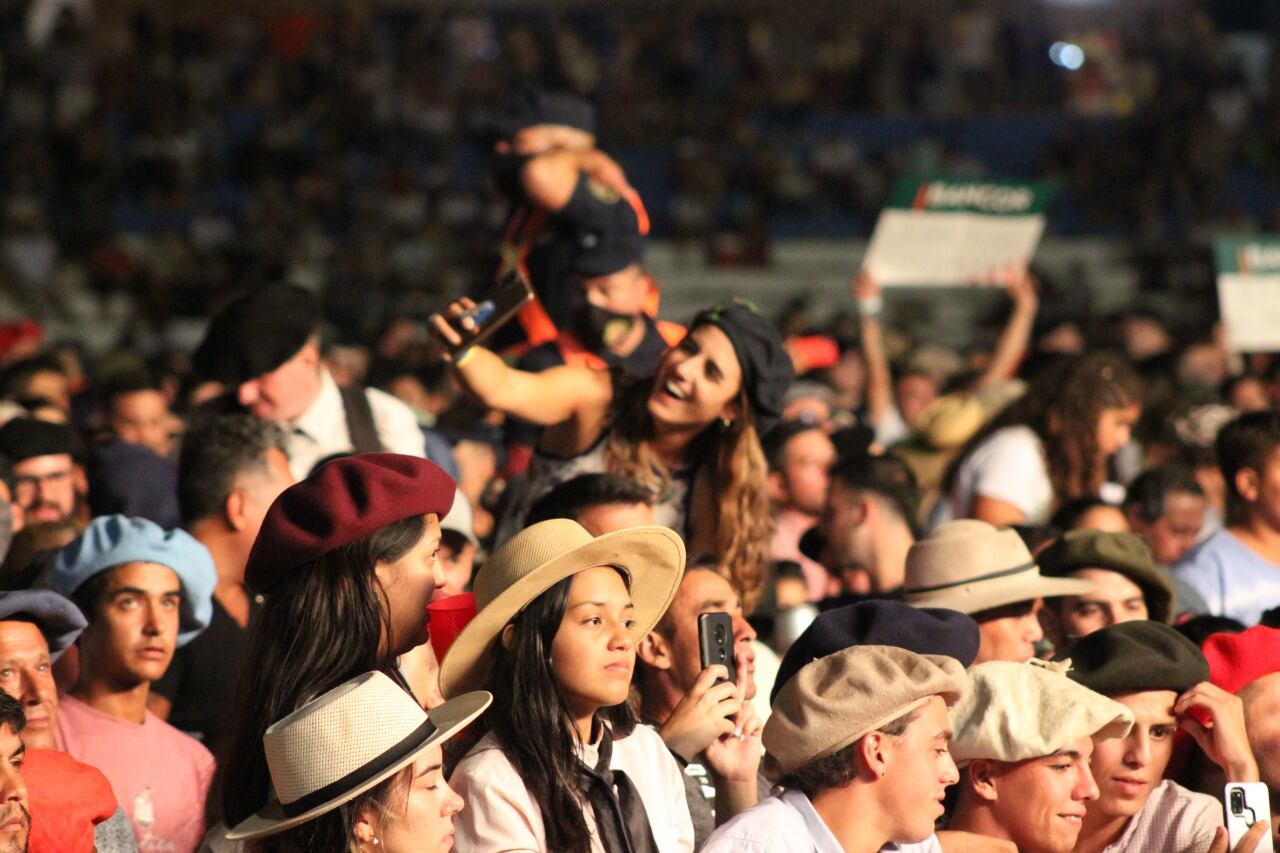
x=715, y=642
x=1247, y=804
x=465, y=323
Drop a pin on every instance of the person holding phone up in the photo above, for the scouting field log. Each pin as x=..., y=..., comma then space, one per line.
x=690, y=433
x=706, y=722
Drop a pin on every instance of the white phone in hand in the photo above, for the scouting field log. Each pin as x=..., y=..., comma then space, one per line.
x=1246, y=804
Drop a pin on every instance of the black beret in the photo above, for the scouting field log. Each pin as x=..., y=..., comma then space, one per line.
x=606, y=254
x=1125, y=553
x=767, y=371
x=531, y=107
x=1131, y=657
x=27, y=438
x=923, y=630
x=257, y=333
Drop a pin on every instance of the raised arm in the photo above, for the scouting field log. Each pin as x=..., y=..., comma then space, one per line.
x=550, y=179
x=866, y=293
x=1012, y=345
x=547, y=398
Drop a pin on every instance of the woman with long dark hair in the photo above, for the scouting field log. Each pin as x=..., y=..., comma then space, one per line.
x=690, y=433
x=1047, y=448
x=561, y=764
x=347, y=561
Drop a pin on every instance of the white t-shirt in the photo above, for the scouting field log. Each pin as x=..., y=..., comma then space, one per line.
x=1009, y=465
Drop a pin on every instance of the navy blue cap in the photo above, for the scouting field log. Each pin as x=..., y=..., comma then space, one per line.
x=923, y=630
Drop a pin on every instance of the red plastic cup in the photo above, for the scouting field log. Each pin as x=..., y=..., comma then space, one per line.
x=446, y=617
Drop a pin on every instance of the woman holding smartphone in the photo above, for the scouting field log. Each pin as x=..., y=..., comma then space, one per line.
x=690, y=433
x=560, y=763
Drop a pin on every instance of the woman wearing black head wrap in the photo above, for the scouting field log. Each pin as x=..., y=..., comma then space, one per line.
x=690, y=433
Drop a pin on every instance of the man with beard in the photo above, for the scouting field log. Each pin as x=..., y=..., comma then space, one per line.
x=15, y=820
x=48, y=482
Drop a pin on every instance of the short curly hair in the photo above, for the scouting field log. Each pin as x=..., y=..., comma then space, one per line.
x=840, y=767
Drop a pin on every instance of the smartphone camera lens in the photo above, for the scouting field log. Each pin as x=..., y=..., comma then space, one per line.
x=719, y=633
x=1237, y=802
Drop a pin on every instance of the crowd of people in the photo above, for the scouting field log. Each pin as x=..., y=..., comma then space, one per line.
x=567, y=575
x=167, y=158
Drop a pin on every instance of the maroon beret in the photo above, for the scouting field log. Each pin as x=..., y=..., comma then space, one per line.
x=344, y=500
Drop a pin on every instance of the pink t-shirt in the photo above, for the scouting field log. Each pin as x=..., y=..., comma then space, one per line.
x=160, y=776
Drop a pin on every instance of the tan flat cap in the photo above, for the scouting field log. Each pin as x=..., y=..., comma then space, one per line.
x=970, y=566
x=1016, y=711
x=834, y=700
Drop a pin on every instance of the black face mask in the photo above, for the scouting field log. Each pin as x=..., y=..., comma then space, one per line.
x=506, y=174
x=599, y=328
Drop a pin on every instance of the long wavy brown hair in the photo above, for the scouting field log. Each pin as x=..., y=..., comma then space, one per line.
x=732, y=466
x=1063, y=405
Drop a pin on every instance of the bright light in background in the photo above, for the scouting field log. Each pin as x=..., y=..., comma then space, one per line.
x=1066, y=55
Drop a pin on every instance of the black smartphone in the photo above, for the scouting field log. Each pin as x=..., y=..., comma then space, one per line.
x=715, y=642
x=489, y=314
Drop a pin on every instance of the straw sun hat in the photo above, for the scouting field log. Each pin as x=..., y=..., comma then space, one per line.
x=539, y=556
x=970, y=566
x=343, y=743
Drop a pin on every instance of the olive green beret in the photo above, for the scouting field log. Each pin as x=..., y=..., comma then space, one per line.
x=1131, y=657
x=1125, y=553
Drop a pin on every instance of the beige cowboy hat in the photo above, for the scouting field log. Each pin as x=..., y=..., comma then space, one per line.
x=535, y=559
x=970, y=566
x=343, y=743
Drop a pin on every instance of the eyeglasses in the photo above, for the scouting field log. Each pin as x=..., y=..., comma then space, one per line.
x=29, y=485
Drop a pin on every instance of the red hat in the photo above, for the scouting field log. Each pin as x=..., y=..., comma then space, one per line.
x=346, y=499
x=1238, y=659
x=67, y=800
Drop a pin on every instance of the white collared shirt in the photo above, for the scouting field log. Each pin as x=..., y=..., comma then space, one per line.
x=321, y=430
x=502, y=817
x=789, y=824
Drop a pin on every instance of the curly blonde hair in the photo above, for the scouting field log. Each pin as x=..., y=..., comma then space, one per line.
x=732, y=465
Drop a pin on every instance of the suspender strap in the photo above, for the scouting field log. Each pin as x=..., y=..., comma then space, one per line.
x=364, y=435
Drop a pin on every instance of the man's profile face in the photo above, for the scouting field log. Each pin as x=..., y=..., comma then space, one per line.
x=921, y=771
x=15, y=820
x=1041, y=801
x=26, y=674
x=45, y=487
x=284, y=393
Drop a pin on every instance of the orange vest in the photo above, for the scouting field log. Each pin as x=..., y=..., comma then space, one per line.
x=517, y=243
